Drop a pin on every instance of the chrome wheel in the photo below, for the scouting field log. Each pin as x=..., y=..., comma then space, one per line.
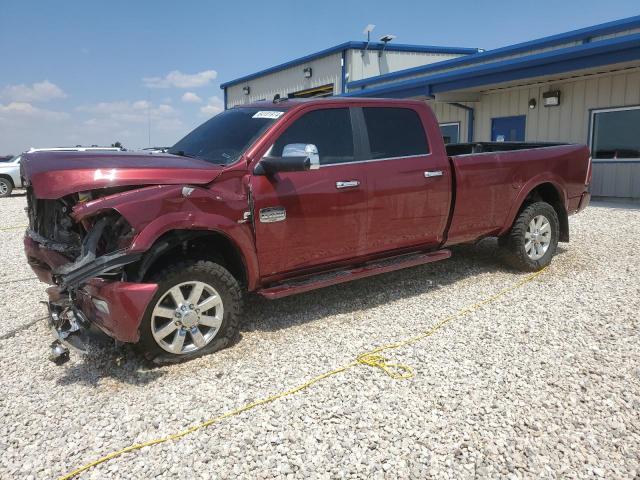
x=4, y=188
x=187, y=317
x=537, y=238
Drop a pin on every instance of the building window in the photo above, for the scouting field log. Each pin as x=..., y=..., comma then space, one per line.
x=315, y=92
x=508, y=129
x=450, y=132
x=394, y=132
x=615, y=133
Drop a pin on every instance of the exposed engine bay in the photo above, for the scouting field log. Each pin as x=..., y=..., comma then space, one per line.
x=94, y=246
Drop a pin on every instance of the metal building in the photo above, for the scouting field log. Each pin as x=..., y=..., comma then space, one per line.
x=327, y=72
x=581, y=86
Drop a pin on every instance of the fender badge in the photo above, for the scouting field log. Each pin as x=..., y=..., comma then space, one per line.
x=272, y=214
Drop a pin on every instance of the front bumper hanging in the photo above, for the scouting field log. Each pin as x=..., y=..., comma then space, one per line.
x=69, y=326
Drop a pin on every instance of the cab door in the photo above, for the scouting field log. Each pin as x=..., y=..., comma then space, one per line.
x=306, y=219
x=409, y=183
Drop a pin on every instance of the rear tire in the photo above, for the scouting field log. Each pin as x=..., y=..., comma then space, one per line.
x=6, y=187
x=533, y=238
x=196, y=311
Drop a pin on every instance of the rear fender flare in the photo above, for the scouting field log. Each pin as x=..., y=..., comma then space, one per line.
x=524, y=192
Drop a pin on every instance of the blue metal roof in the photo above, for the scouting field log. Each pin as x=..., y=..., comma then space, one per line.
x=586, y=55
x=353, y=46
x=583, y=34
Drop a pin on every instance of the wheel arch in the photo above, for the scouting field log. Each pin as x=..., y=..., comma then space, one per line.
x=210, y=244
x=549, y=191
x=8, y=177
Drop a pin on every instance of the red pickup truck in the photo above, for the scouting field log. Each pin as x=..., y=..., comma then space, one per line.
x=277, y=198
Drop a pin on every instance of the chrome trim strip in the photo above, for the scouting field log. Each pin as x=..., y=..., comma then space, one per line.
x=374, y=160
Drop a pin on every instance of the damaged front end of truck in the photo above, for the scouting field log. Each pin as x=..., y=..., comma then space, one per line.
x=83, y=223
x=85, y=263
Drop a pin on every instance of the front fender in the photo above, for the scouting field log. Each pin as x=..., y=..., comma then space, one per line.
x=154, y=211
x=14, y=173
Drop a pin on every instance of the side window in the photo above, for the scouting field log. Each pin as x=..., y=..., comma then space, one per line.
x=395, y=132
x=615, y=133
x=329, y=130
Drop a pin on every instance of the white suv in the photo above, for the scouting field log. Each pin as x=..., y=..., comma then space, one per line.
x=10, y=176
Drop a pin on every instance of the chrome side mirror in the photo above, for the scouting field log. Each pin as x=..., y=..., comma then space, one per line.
x=296, y=157
x=308, y=150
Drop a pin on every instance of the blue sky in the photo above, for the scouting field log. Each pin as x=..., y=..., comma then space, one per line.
x=93, y=72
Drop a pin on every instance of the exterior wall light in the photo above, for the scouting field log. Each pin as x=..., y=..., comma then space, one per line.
x=552, y=98
x=532, y=104
x=385, y=39
x=246, y=90
x=308, y=72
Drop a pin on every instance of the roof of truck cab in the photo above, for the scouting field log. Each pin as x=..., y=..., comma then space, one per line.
x=288, y=104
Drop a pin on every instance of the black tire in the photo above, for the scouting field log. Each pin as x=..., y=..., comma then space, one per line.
x=513, y=242
x=207, y=272
x=6, y=187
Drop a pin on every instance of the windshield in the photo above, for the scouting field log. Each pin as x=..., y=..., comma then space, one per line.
x=225, y=137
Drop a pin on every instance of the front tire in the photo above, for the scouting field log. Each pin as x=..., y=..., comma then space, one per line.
x=533, y=238
x=196, y=311
x=6, y=187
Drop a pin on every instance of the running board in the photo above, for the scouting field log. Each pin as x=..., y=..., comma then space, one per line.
x=307, y=283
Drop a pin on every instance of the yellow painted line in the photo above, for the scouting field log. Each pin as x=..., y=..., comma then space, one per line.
x=15, y=227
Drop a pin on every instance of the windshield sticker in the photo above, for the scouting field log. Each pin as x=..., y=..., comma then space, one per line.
x=268, y=114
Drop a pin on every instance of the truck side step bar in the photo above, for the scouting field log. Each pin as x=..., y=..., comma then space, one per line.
x=321, y=280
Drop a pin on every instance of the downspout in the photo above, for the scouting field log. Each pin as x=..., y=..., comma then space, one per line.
x=225, y=98
x=470, y=118
x=343, y=61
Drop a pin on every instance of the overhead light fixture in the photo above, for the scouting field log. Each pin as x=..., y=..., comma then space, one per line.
x=246, y=90
x=307, y=72
x=385, y=39
x=552, y=98
x=532, y=104
x=367, y=31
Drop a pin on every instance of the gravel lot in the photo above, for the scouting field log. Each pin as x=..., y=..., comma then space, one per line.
x=542, y=383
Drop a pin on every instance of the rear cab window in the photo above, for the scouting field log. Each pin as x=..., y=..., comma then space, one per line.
x=394, y=132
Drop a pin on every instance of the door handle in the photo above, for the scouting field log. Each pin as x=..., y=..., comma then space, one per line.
x=433, y=173
x=348, y=184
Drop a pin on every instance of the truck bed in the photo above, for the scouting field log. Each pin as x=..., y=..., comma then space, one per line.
x=490, y=186
x=455, y=149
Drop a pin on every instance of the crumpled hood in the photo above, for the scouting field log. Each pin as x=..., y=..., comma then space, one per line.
x=56, y=174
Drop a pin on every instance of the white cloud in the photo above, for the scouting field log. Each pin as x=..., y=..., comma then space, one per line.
x=19, y=111
x=141, y=105
x=213, y=107
x=23, y=125
x=37, y=92
x=178, y=79
x=190, y=97
x=128, y=112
